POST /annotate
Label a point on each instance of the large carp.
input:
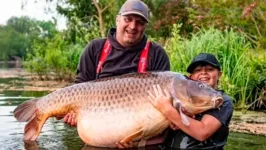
(117, 108)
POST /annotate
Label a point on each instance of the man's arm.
(86, 70)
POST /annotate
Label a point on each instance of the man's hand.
(71, 119)
(123, 145)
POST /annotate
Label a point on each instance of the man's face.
(130, 29)
(207, 74)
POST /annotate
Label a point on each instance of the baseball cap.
(203, 58)
(135, 7)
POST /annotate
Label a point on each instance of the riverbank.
(19, 80)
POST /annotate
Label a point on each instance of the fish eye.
(201, 85)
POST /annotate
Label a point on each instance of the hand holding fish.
(159, 139)
(161, 100)
(164, 102)
(123, 145)
(71, 119)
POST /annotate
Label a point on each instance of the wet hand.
(71, 119)
(162, 100)
(123, 145)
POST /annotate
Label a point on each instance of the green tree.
(246, 16)
(88, 15)
(12, 43)
(18, 36)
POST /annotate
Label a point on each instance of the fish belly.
(105, 128)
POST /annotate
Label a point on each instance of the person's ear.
(117, 19)
(220, 74)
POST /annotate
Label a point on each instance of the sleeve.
(86, 70)
(159, 59)
(225, 112)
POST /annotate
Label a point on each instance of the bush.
(54, 59)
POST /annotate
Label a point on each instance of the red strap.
(105, 51)
(144, 58)
(142, 61)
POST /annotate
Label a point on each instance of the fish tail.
(28, 112)
(34, 126)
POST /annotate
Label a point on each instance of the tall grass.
(234, 53)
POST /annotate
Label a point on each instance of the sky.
(33, 9)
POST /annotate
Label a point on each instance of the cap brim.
(134, 13)
(193, 65)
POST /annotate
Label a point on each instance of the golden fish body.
(116, 108)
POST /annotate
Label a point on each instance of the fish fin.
(34, 126)
(178, 105)
(142, 143)
(183, 117)
(133, 136)
(25, 111)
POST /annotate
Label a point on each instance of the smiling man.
(125, 50)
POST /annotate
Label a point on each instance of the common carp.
(117, 108)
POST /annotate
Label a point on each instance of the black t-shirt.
(180, 140)
(120, 60)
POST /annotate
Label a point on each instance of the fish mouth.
(217, 101)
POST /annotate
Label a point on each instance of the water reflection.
(31, 145)
(55, 134)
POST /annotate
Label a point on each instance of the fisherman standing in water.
(125, 50)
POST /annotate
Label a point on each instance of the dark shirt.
(120, 60)
(180, 140)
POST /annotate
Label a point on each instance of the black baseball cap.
(203, 58)
(135, 7)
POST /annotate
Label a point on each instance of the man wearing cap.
(125, 50)
(126, 44)
(208, 130)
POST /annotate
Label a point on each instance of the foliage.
(83, 16)
(19, 34)
(241, 74)
(171, 12)
(54, 57)
(12, 43)
(246, 16)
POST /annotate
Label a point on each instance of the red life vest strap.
(105, 51)
(144, 58)
(142, 66)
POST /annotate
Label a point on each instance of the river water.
(57, 135)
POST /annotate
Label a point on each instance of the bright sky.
(37, 9)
